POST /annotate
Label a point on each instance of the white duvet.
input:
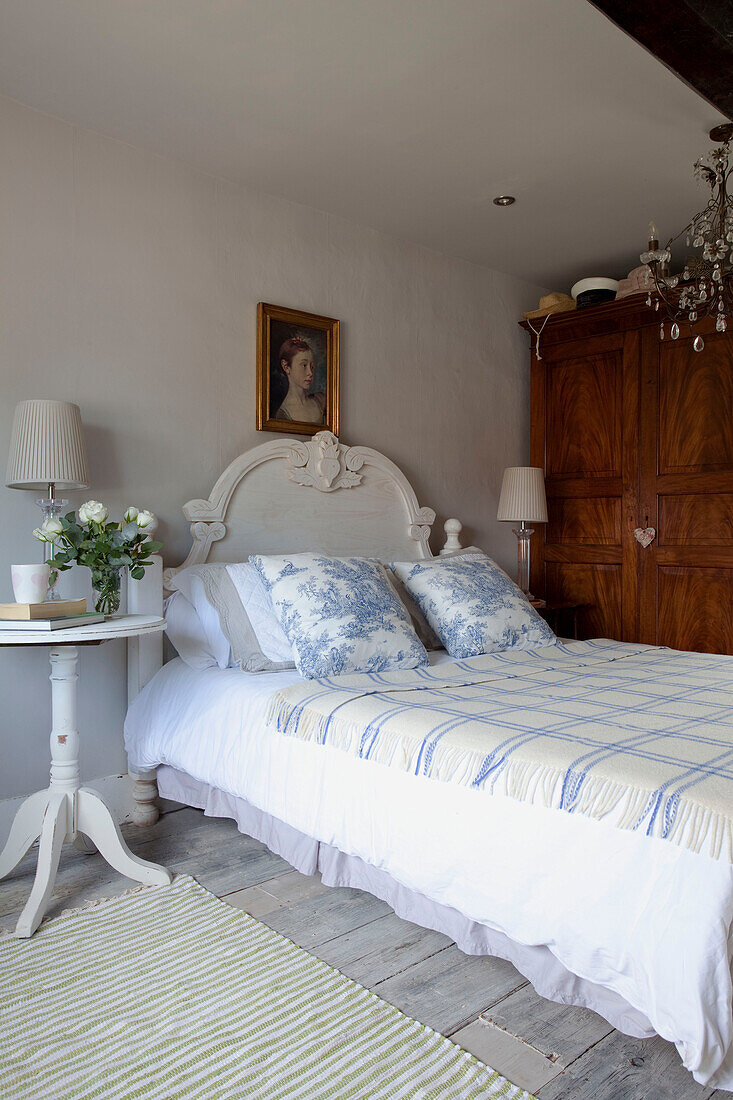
(645, 922)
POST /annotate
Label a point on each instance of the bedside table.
(66, 809)
(556, 612)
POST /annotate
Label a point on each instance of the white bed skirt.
(307, 855)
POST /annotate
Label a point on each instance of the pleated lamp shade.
(523, 495)
(47, 447)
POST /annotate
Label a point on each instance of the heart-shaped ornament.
(645, 536)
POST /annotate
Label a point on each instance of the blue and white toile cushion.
(339, 614)
(473, 606)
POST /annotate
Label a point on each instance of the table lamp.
(523, 501)
(47, 453)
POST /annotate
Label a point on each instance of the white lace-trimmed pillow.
(234, 638)
(339, 614)
(261, 614)
(473, 606)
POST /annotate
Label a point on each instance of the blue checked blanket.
(637, 734)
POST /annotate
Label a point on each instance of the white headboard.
(283, 497)
(292, 495)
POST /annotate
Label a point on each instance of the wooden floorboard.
(622, 1068)
(561, 1032)
(484, 1004)
(519, 1062)
(311, 922)
(381, 949)
(275, 893)
(449, 989)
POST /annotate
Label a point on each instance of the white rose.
(39, 534)
(51, 528)
(130, 514)
(146, 519)
(92, 512)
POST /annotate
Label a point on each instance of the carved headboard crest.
(325, 464)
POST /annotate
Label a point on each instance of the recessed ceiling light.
(504, 200)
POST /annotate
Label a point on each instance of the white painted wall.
(129, 284)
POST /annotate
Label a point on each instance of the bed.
(633, 923)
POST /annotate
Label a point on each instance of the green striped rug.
(167, 992)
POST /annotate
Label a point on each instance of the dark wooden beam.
(693, 38)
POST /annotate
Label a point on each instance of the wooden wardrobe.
(635, 432)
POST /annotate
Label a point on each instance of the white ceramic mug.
(30, 582)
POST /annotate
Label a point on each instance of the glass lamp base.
(51, 508)
(523, 536)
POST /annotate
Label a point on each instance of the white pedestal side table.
(66, 809)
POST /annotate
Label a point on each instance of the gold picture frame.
(297, 371)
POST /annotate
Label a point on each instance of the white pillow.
(473, 606)
(258, 605)
(340, 614)
(186, 633)
(230, 633)
(190, 585)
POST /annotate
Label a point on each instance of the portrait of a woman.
(297, 371)
(297, 363)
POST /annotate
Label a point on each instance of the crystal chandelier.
(705, 287)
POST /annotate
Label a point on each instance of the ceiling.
(405, 115)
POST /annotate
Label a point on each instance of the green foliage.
(102, 546)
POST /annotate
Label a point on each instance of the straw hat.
(551, 303)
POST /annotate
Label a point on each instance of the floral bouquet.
(107, 548)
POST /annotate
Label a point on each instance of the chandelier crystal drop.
(705, 287)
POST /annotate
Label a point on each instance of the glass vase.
(106, 587)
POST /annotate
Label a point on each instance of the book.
(86, 619)
(52, 609)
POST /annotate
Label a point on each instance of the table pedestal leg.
(94, 819)
(66, 809)
(24, 831)
(83, 844)
(53, 834)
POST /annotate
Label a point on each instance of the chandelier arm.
(667, 301)
(687, 229)
(704, 291)
(721, 207)
(676, 314)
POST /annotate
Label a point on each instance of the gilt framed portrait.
(297, 371)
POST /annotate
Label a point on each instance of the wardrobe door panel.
(686, 476)
(696, 519)
(695, 407)
(584, 434)
(584, 410)
(591, 520)
(695, 608)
